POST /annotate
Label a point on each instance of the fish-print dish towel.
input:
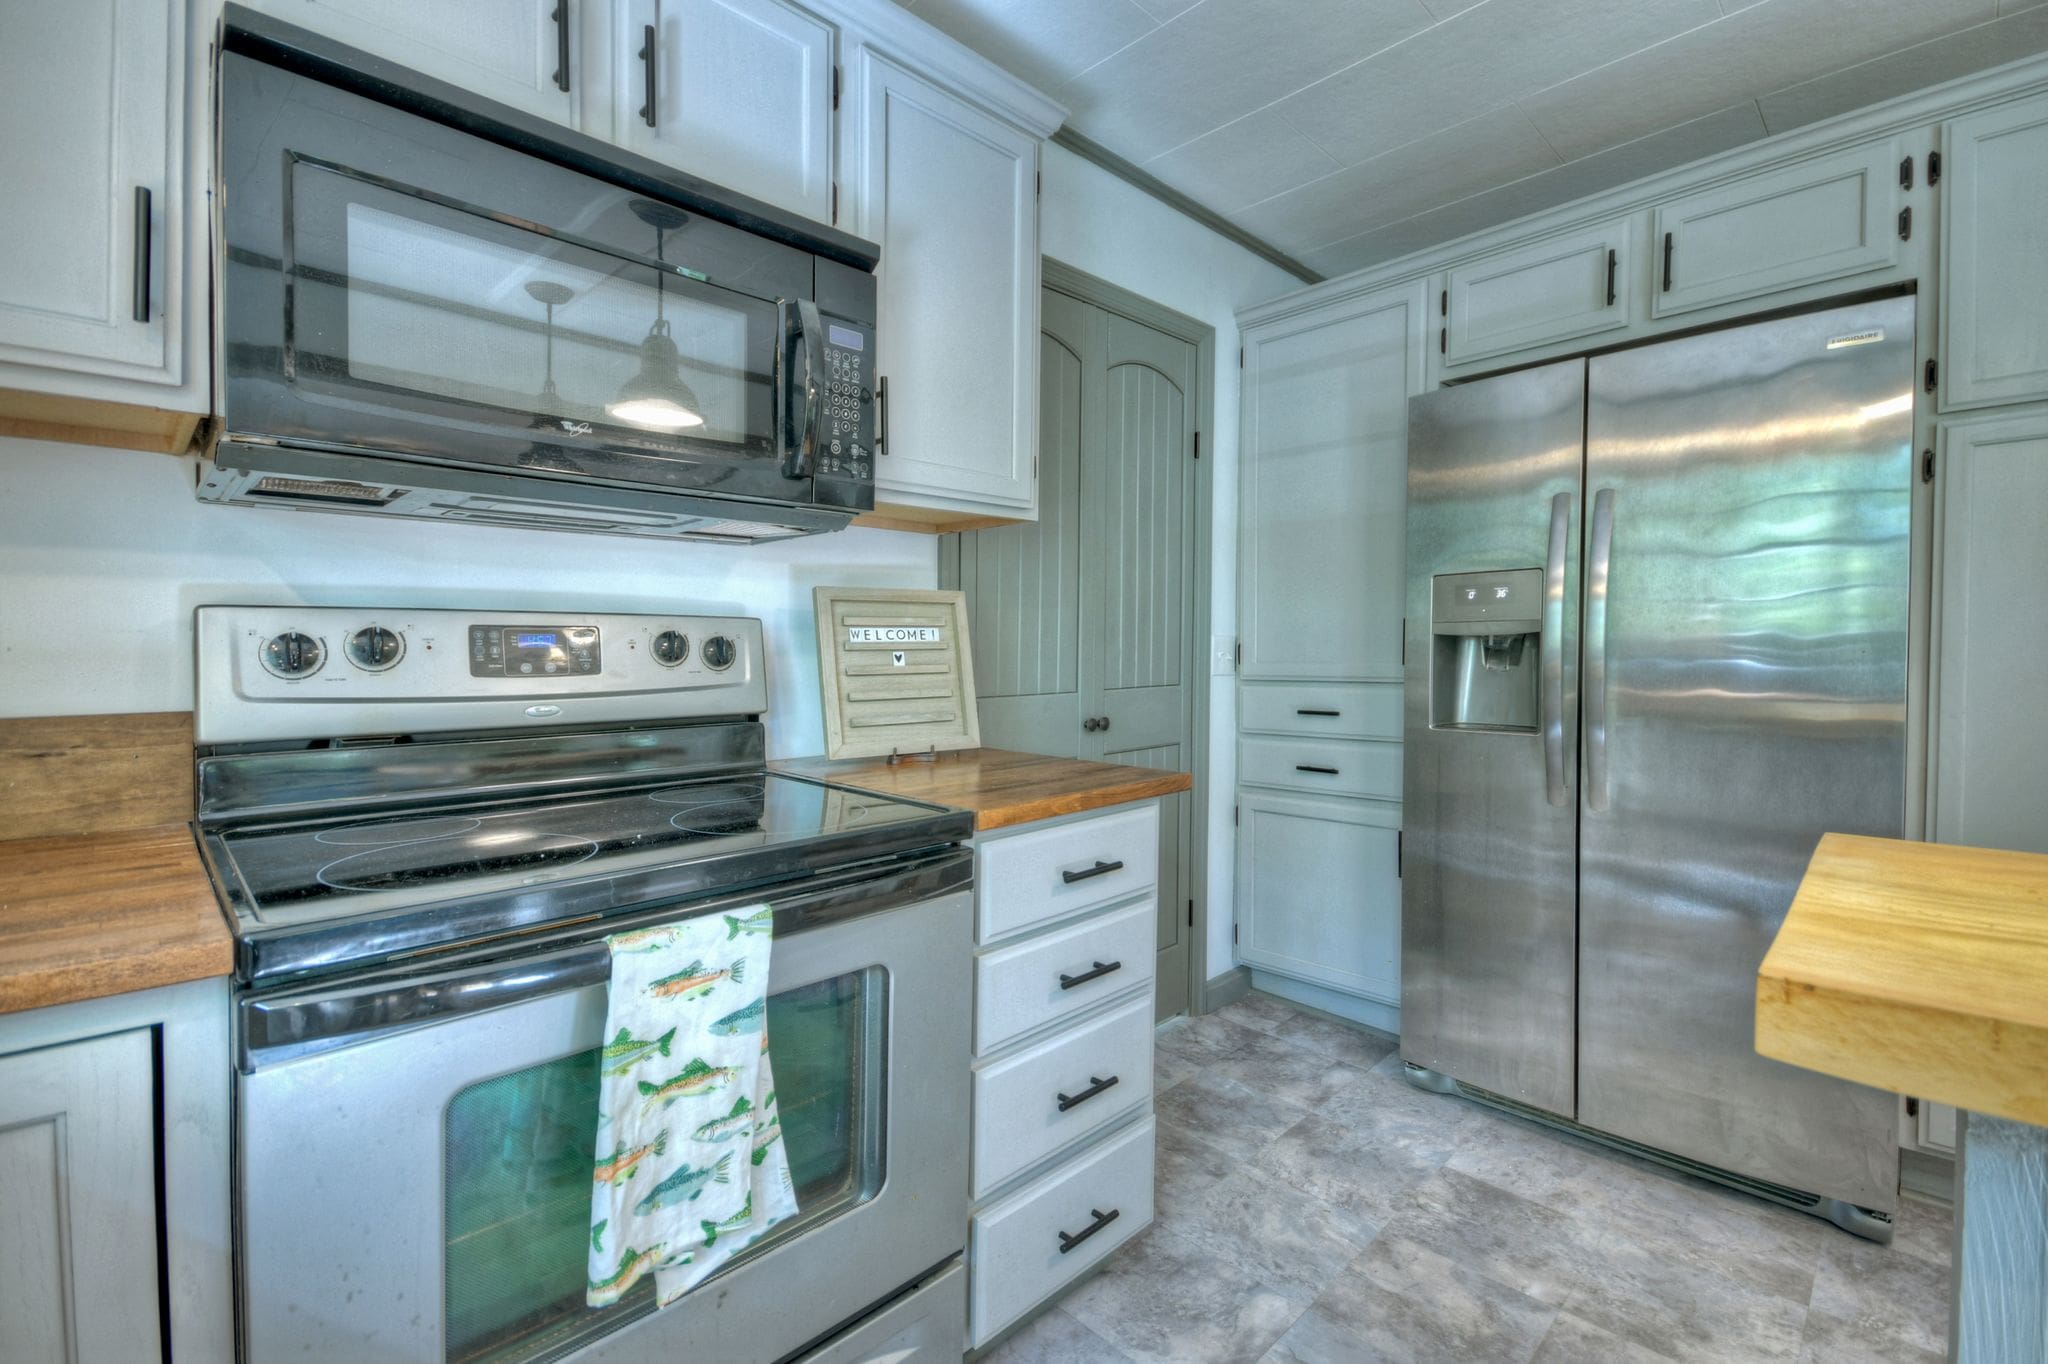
(690, 1166)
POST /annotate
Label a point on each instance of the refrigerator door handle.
(1597, 560)
(1552, 661)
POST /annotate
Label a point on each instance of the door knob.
(1089, 724)
(1102, 722)
(1095, 722)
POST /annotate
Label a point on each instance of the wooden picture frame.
(895, 672)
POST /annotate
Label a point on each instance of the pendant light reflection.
(656, 396)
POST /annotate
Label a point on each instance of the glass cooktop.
(754, 828)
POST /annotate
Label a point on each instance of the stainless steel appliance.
(1627, 727)
(423, 824)
(435, 306)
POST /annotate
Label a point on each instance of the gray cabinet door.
(78, 1234)
(1318, 897)
(1571, 285)
(1990, 759)
(1994, 273)
(1323, 487)
(1822, 219)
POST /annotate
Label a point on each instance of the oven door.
(413, 1173)
(399, 287)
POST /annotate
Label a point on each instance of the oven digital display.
(547, 641)
(534, 651)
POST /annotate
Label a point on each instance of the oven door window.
(422, 324)
(517, 1175)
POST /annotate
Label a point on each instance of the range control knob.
(375, 648)
(671, 647)
(719, 653)
(292, 654)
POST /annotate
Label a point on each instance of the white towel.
(690, 1167)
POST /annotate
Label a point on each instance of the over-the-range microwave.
(435, 306)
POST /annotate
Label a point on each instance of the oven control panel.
(312, 672)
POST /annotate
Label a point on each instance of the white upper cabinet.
(93, 220)
(1823, 219)
(1324, 486)
(1562, 287)
(1994, 232)
(950, 193)
(741, 95)
(523, 53)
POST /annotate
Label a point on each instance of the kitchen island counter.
(1002, 788)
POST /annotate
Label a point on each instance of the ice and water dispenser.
(1484, 630)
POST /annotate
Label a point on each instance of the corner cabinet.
(951, 194)
(1994, 286)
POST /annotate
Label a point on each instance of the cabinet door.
(742, 95)
(950, 193)
(91, 92)
(78, 1235)
(1324, 488)
(1573, 285)
(507, 50)
(1991, 636)
(1318, 894)
(1823, 219)
(1994, 256)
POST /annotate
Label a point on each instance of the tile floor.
(1316, 1208)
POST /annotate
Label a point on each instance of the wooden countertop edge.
(1081, 802)
(995, 809)
(103, 977)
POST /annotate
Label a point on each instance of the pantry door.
(1082, 621)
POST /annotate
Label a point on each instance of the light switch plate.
(1222, 655)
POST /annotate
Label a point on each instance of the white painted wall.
(1093, 221)
(105, 553)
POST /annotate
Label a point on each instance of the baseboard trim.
(1927, 1174)
(1227, 988)
(1385, 1018)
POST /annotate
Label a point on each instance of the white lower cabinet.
(1319, 891)
(1062, 1126)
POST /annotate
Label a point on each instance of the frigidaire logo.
(576, 428)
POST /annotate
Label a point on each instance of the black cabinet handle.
(1095, 1087)
(1333, 714)
(1102, 1219)
(882, 414)
(1312, 767)
(561, 17)
(1667, 262)
(1611, 258)
(647, 60)
(1102, 968)
(1100, 868)
(141, 275)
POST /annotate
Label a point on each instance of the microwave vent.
(741, 532)
(324, 490)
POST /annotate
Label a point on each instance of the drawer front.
(1333, 768)
(1046, 874)
(1820, 220)
(1017, 1115)
(1014, 1247)
(1568, 286)
(923, 1328)
(1059, 974)
(1362, 710)
(1319, 891)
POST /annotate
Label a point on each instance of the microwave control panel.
(847, 443)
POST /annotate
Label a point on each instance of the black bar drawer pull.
(1312, 767)
(1068, 1240)
(1102, 968)
(1095, 1087)
(1667, 262)
(561, 18)
(1611, 261)
(1305, 710)
(1100, 868)
(647, 60)
(141, 278)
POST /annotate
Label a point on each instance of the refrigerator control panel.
(1508, 601)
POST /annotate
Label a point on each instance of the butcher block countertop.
(1916, 967)
(1001, 788)
(83, 916)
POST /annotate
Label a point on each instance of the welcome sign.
(895, 672)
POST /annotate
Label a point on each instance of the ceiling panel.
(1240, 163)
(1045, 42)
(2020, 34)
(1488, 55)
(1162, 10)
(1474, 156)
(1221, 60)
(1751, 53)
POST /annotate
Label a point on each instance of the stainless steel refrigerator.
(1656, 646)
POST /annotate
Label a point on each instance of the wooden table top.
(1916, 967)
(1001, 788)
(88, 915)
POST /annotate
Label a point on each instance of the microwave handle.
(808, 331)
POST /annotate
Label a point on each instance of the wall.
(1093, 221)
(105, 553)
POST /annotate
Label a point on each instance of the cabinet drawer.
(1326, 767)
(1017, 1114)
(1019, 988)
(1567, 286)
(1015, 1245)
(1046, 874)
(1833, 216)
(1365, 710)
